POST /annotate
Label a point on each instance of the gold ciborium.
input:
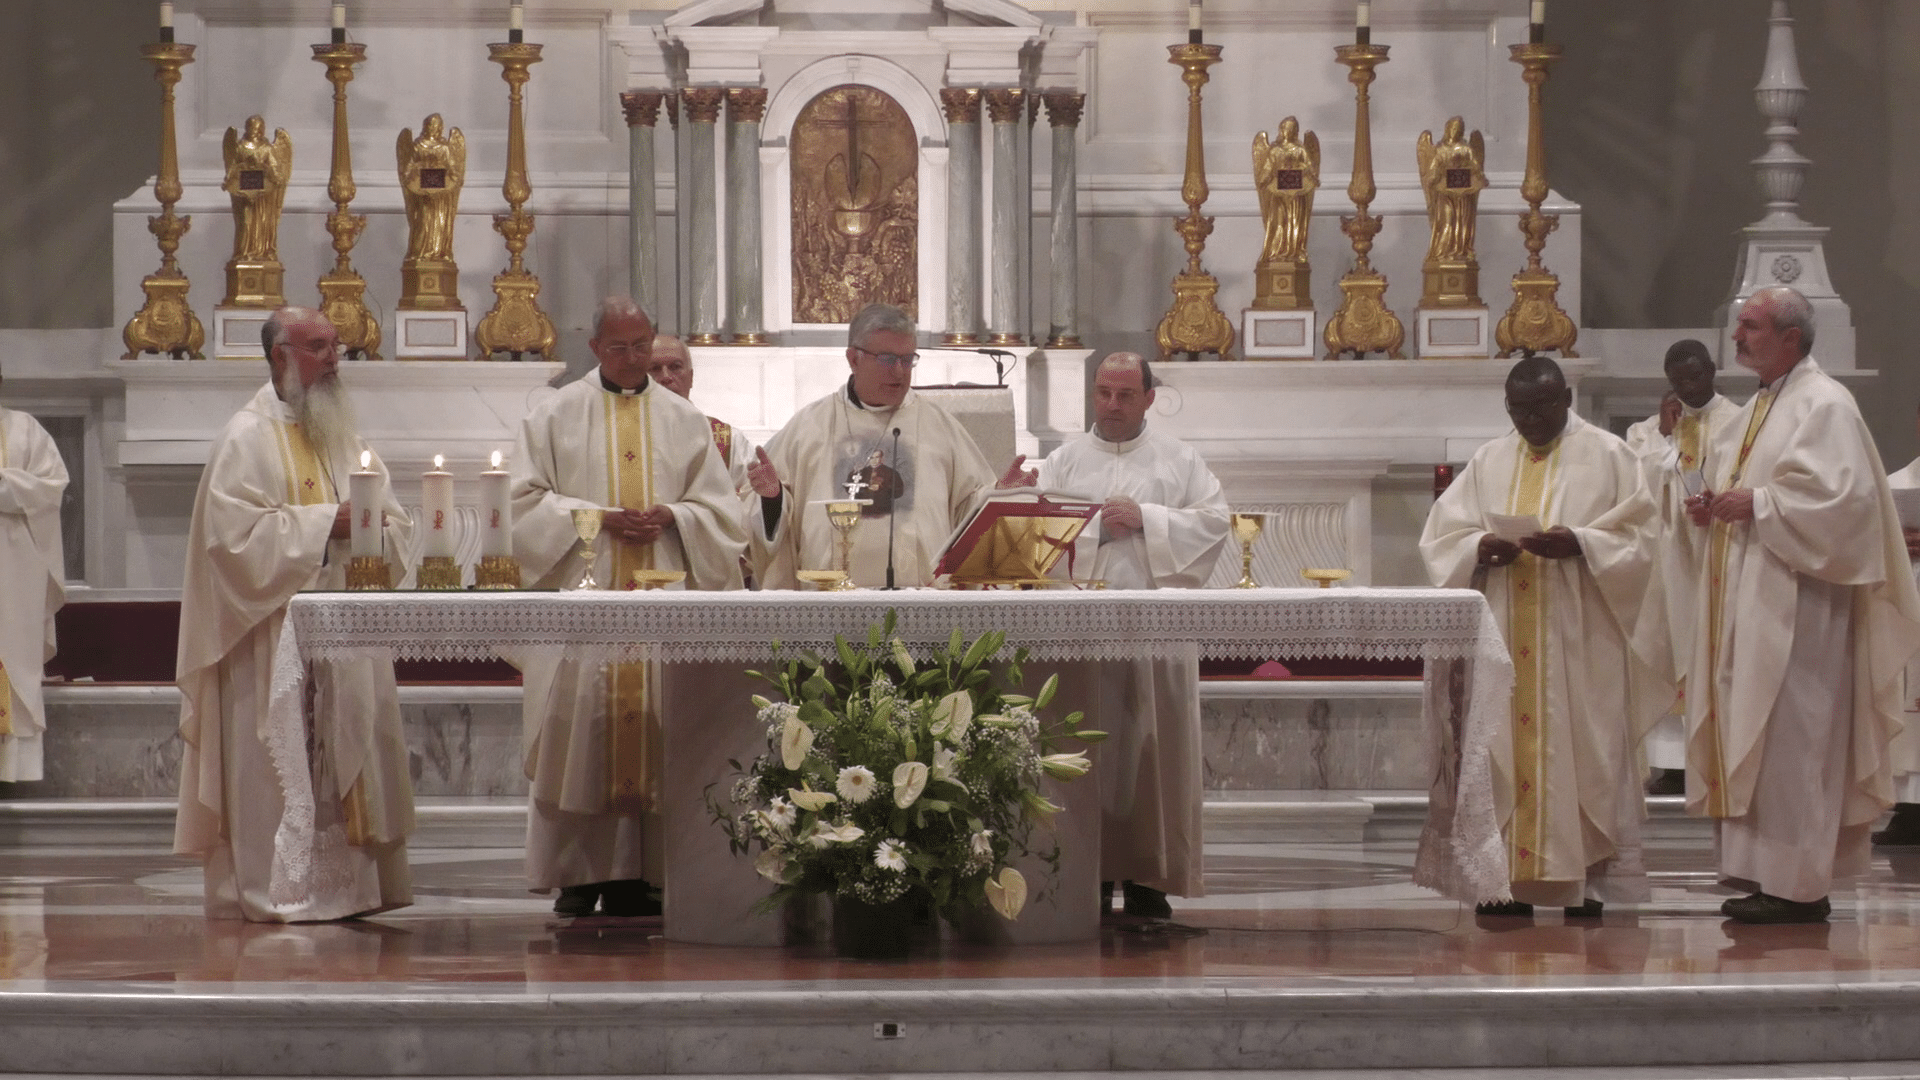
(844, 516)
(586, 524)
(1246, 529)
(1326, 578)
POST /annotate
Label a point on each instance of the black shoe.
(1903, 830)
(1144, 902)
(576, 900)
(629, 899)
(1588, 909)
(1761, 908)
(1668, 782)
(1505, 909)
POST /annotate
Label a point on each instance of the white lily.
(1008, 893)
(981, 844)
(796, 740)
(835, 834)
(809, 799)
(909, 780)
(772, 865)
(1066, 766)
(943, 757)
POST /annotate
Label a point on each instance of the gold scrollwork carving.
(856, 206)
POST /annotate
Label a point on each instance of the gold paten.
(342, 290)
(256, 182)
(1286, 173)
(432, 169)
(516, 324)
(165, 324)
(856, 206)
(1535, 322)
(1195, 323)
(1453, 174)
(1364, 323)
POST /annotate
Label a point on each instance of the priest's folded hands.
(638, 526)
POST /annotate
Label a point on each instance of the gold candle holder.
(496, 572)
(165, 324)
(1535, 322)
(368, 573)
(1364, 323)
(1195, 323)
(516, 324)
(342, 290)
(437, 573)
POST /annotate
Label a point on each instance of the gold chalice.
(1326, 578)
(1246, 529)
(586, 524)
(844, 516)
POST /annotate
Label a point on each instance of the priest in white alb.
(272, 518)
(1162, 526)
(1566, 575)
(1672, 445)
(1808, 617)
(616, 444)
(672, 368)
(32, 577)
(876, 440)
(1904, 828)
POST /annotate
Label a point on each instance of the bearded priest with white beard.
(271, 519)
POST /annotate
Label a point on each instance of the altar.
(705, 640)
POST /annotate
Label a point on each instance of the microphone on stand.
(1001, 358)
(890, 508)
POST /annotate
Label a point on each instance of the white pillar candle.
(339, 15)
(1363, 15)
(496, 511)
(436, 508)
(363, 493)
(166, 15)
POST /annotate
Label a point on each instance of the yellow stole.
(632, 713)
(1531, 493)
(6, 684)
(1688, 433)
(1713, 747)
(722, 438)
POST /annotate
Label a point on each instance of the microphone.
(1001, 358)
(890, 508)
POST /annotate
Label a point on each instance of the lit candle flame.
(438, 460)
(496, 459)
(366, 459)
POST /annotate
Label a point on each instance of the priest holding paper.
(1809, 617)
(935, 474)
(1163, 526)
(272, 518)
(1551, 523)
(32, 581)
(616, 444)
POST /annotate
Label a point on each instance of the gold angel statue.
(1286, 173)
(432, 168)
(256, 180)
(1453, 173)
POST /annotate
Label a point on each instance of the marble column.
(675, 320)
(746, 107)
(1006, 107)
(1023, 183)
(962, 105)
(702, 210)
(1063, 113)
(643, 112)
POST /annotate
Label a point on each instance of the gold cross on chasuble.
(1531, 493)
(632, 694)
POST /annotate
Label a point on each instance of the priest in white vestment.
(1567, 597)
(672, 368)
(272, 518)
(1672, 445)
(1904, 829)
(1163, 526)
(1808, 618)
(916, 467)
(32, 586)
(616, 441)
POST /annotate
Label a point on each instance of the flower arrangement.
(884, 776)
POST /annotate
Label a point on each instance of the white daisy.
(890, 855)
(855, 784)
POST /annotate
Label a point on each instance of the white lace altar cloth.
(1468, 673)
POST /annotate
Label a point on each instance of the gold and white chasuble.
(592, 731)
(261, 528)
(32, 586)
(1566, 786)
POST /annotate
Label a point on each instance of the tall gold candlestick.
(1364, 323)
(1535, 322)
(1195, 323)
(516, 324)
(165, 324)
(342, 290)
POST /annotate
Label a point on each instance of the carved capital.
(703, 103)
(673, 110)
(961, 104)
(747, 104)
(1064, 107)
(642, 107)
(1004, 104)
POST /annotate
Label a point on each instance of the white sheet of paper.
(1513, 526)
(1907, 502)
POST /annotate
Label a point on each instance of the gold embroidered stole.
(1531, 493)
(722, 439)
(6, 684)
(1688, 439)
(1713, 744)
(631, 713)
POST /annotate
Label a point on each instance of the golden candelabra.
(516, 324)
(1364, 323)
(1535, 322)
(496, 572)
(165, 324)
(1195, 323)
(342, 290)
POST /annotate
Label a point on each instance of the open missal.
(1016, 537)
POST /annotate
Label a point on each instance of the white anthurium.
(1066, 766)
(796, 740)
(909, 780)
(808, 799)
(890, 855)
(855, 784)
(952, 716)
(981, 844)
(845, 833)
(1007, 893)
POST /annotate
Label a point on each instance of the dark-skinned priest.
(617, 443)
(1551, 522)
